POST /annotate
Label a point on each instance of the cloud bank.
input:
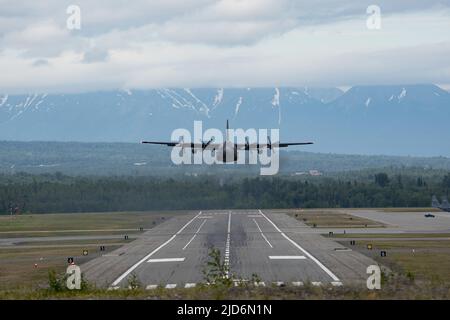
(210, 43)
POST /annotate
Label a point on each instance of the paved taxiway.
(272, 245)
(407, 221)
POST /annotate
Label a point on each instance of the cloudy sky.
(220, 43)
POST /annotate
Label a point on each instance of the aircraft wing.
(169, 144)
(284, 145)
(252, 146)
(186, 144)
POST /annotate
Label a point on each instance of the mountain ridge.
(386, 119)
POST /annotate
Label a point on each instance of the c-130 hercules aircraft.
(228, 150)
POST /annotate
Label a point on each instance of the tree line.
(26, 193)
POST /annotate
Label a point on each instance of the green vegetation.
(402, 289)
(27, 264)
(392, 235)
(61, 193)
(425, 261)
(27, 268)
(81, 223)
(217, 272)
(76, 158)
(333, 219)
(133, 282)
(395, 285)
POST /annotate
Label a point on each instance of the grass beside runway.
(425, 261)
(390, 235)
(62, 243)
(322, 218)
(17, 262)
(396, 288)
(18, 270)
(42, 224)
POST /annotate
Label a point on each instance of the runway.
(267, 244)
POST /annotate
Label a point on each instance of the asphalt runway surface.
(274, 246)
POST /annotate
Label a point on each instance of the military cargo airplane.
(228, 150)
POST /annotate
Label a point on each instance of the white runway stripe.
(126, 273)
(151, 286)
(167, 260)
(328, 271)
(336, 283)
(236, 283)
(195, 234)
(287, 257)
(114, 288)
(262, 234)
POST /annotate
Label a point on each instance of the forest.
(57, 192)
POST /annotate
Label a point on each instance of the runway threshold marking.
(195, 234)
(327, 271)
(287, 257)
(137, 264)
(262, 234)
(167, 260)
(151, 286)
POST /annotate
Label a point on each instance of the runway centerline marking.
(227, 247)
(167, 260)
(137, 264)
(262, 234)
(287, 257)
(327, 271)
(195, 234)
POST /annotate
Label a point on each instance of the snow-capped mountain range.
(401, 120)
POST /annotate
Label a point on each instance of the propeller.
(205, 145)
